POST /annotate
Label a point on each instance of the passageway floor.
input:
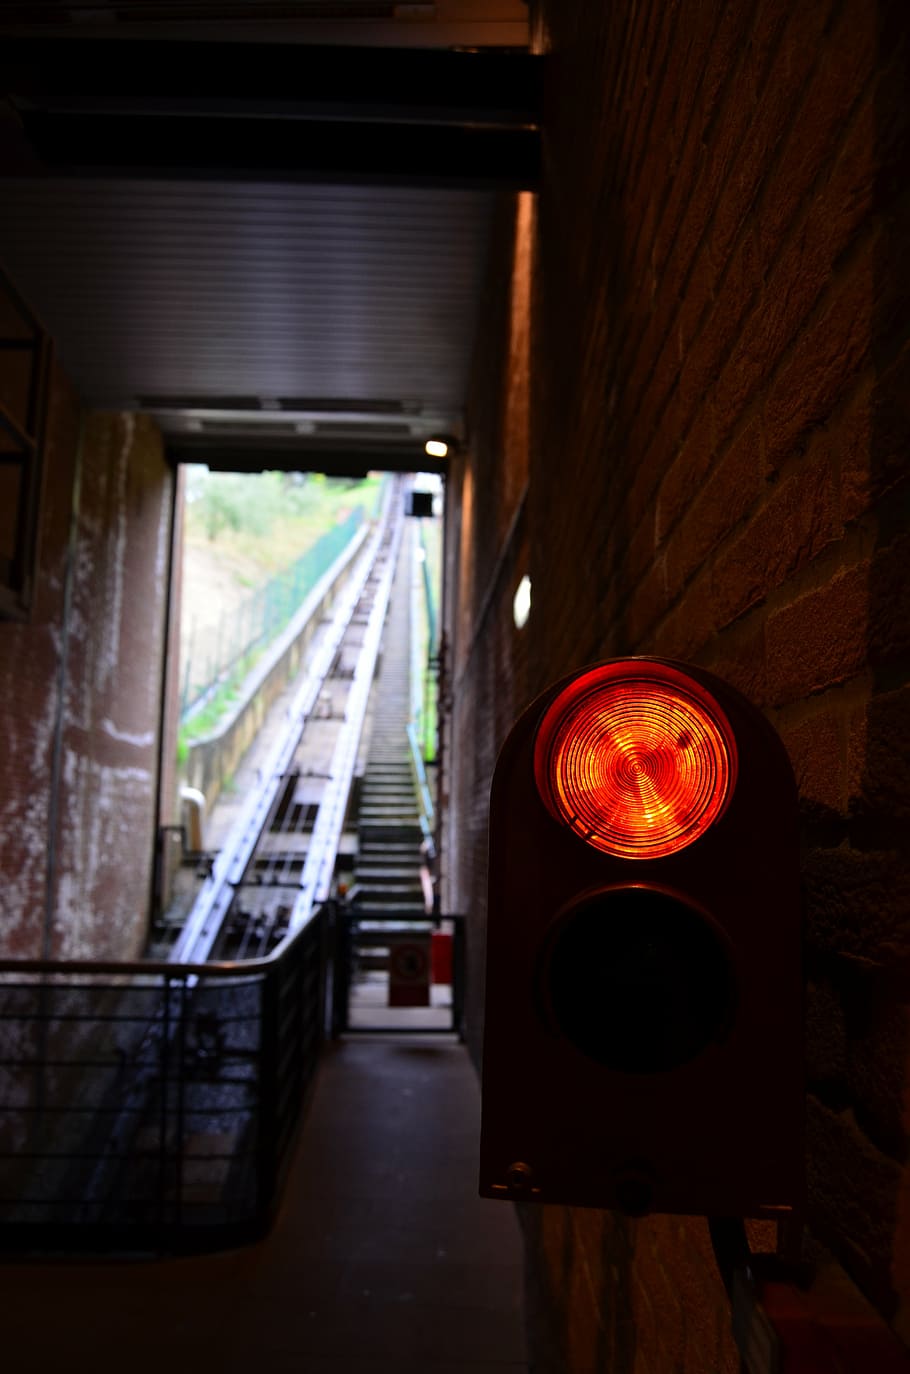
(383, 1259)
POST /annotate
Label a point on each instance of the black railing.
(152, 1107)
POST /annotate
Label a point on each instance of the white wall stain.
(107, 814)
(162, 571)
(163, 542)
(27, 750)
(68, 917)
(110, 645)
(102, 775)
(78, 700)
(110, 808)
(43, 723)
(23, 888)
(140, 740)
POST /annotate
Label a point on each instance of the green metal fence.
(223, 653)
(430, 684)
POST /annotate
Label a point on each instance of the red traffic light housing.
(643, 1034)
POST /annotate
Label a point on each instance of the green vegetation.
(204, 721)
(430, 533)
(269, 517)
(254, 543)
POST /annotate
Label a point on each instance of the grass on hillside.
(431, 541)
(268, 519)
(241, 530)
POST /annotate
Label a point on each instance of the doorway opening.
(263, 568)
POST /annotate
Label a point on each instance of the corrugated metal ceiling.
(196, 290)
(315, 312)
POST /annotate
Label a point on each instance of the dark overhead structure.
(289, 113)
(276, 249)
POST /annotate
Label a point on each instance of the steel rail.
(209, 911)
(320, 860)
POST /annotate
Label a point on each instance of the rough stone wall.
(170, 783)
(113, 690)
(717, 472)
(29, 694)
(80, 691)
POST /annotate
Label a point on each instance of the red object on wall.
(409, 971)
(644, 976)
(441, 957)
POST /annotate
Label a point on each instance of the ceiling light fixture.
(440, 446)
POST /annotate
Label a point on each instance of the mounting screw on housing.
(520, 1175)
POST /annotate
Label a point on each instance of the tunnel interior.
(643, 268)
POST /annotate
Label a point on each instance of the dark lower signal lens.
(638, 980)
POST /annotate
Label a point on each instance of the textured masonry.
(711, 349)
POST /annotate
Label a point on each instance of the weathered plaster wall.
(30, 659)
(80, 691)
(716, 472)
(112, 694)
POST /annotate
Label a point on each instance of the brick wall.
(80, 687)
(487, 554)
(717, 380)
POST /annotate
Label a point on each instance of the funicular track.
(276, 865)
(389, 923)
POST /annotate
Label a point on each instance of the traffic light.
(644, 1029)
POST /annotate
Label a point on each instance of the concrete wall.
(716, 470)
(80, 691)
(212, 761)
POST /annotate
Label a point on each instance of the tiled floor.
(383, 1259)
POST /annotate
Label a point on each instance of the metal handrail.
(426, 812)
(225, 968)
(417, 670)
(432, 643)
(153, 1106)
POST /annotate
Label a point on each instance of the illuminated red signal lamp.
(639, 763)
(643, 1033)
